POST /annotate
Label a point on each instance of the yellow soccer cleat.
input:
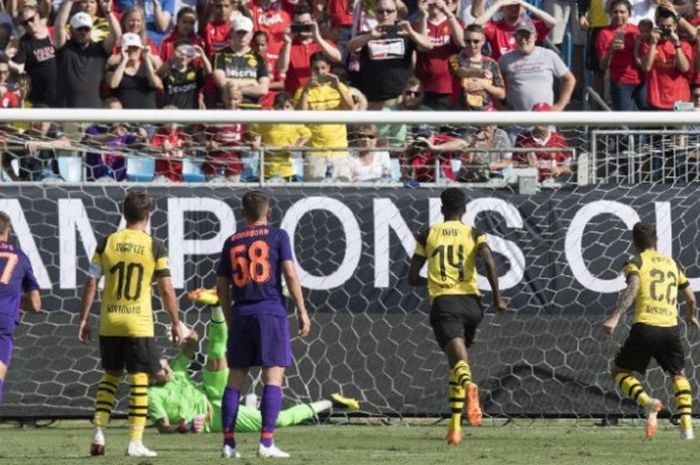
(340, 401)
(204, 296)
(472, 405)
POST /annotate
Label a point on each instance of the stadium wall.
(558, 252)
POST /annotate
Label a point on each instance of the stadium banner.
(559, 255)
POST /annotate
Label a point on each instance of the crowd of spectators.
(410, 55)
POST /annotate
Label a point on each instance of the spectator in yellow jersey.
(278, 163)
(451, 249)
(324, 91)
(653, 282)
(130, 260)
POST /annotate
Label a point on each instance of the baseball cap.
(242, 23)
(131, 39)
(81, 19)
(526, 26)
(542, 106)
(423, 130)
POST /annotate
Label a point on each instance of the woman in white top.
(368, 164)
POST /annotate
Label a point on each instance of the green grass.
(521, 442)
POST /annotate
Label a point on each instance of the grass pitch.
(521, 442)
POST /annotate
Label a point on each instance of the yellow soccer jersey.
(660, 279)
(129, 261)
(280, 135)
(451, 249)
(325, 97)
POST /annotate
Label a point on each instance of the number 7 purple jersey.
(252, 259)
(16, 277)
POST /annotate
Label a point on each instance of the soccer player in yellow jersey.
(130, 260)
(653, 281)
(451, 249)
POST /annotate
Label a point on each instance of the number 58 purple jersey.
(252, 259)
(16, 277)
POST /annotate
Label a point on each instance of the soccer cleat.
(652, 410)
(137, 449)
(204, 296)
(98, 443)
(271, 452)
(340, 401)
(472, 405)
(454, 437)
(687, 434)
(229, 452)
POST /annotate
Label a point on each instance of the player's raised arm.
(623, 303)
(691, 317)
(294, 286)
(492, 276)
(85, 328)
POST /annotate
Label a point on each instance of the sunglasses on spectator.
(83, 29)
(25, 22)
(472, 41)
(412, 93)
(364, 136)
(385, 12)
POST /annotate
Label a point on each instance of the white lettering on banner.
(178, 246)
(72, 216)
(574, 240)
(21, 230)
(664, 229)
(351, 230)
(508, 249)
(387, 217)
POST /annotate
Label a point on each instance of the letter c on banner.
(574, 241)
(353, 240)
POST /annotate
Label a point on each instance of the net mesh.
(558, 252)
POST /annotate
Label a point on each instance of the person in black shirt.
(183, 79)
(81, 61)
(36, 56)
(134, 81)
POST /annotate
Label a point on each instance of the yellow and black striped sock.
(630, 387)
(105, 399)
(138, 405)
(460, 377)
(684, 402)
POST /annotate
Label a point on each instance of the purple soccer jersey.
(16, 277)
(252, 260)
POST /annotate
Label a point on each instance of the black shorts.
(645, 342)
(592, 60)
(454, 316)
(136, 354)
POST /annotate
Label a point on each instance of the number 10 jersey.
(129, 261)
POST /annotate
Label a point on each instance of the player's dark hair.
(644, 235)
(255, 203)
(477, 28)
(137, 206)
(453, 201)
(302, 8)
(185, 10)
(625, 3)
(5, 222)
(318, 56)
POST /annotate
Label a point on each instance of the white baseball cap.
(242, 23)
(131, 39)
(81, 19)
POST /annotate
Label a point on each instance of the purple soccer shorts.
(259, 340)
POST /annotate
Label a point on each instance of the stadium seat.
(395, 169)
(251, 169)
(192, 170)
(140, 169)
(14, 166)
(298, 167)
(70, 168)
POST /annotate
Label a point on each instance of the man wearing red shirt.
(270, 16)
(501, 34)
(425, 150)
(294, 61)
(437, 21)
(666, 60)
(216, 32)
(549, 164)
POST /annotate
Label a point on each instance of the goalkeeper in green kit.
(177, 404)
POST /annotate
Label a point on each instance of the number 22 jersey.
(251, 259)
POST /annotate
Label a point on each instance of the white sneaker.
(98, 443)
(653, 408)
(137, 449)
(271, 452)
(229, 452)
(687, 434)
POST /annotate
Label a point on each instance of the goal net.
(559, 252)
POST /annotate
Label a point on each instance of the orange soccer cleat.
(472, 405)
(454, 437)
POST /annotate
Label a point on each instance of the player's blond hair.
(5, 222)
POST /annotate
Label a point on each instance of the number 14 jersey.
(129, 261)
(252, 259)
(451, 249)
(660, 278)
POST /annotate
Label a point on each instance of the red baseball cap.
(542, 106)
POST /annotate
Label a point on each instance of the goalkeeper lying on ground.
(177, 404)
